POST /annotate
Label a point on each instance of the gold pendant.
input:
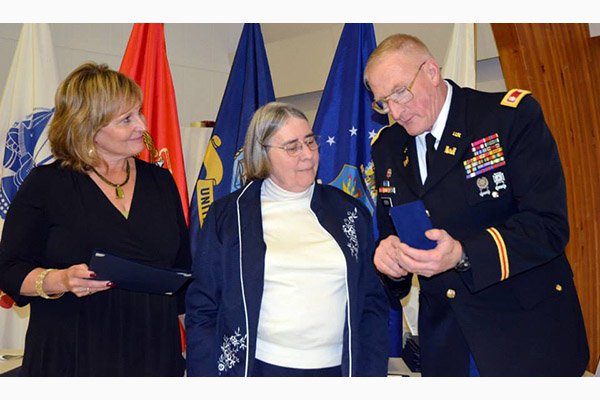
(119, 192)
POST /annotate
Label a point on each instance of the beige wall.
(200, 57)
(300, 56)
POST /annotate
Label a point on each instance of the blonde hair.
(404, 44)
(266, 121)
(87, 100)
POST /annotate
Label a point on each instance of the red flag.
(145, 61)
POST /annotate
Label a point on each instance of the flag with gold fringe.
(146, 62)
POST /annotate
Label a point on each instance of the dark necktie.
(430, 143)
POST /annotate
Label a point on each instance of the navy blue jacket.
(516, 309)
(224, 299)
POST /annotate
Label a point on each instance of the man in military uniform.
(497, 295)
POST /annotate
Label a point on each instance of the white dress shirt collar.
(437, 130)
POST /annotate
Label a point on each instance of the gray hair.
(408, 45)
(267, 120)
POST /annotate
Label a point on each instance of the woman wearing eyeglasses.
(283, 277)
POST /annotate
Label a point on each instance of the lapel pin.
(457, 134)
(450, 150)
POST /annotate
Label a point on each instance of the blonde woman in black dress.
(96, 195)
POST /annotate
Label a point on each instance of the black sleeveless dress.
(57, 219)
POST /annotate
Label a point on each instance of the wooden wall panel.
(560, 64)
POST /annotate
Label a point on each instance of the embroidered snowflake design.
(229, 349)
(349, 229)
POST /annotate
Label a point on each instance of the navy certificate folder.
(135, 276)
(411, 222)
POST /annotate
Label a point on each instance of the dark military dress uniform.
(496, 184)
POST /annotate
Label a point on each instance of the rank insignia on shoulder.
(513, 97)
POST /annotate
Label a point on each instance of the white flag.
(459, 64)
(26, 107)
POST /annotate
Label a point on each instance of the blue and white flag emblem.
(25, 112)
(21, 150)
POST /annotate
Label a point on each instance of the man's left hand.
(428, 263)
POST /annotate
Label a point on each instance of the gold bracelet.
(39, 282)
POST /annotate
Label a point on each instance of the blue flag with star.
(345, 120)
(347, 125)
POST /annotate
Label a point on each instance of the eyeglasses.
(400, 96)
(294, 148)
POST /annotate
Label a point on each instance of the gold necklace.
(118, 186)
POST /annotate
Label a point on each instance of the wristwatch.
(463, 264)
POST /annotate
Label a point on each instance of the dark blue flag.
(347, 125)
(345, 119)
(249, 87)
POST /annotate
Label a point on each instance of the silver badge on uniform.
(387, 201)
(499, 180)
(484, 186)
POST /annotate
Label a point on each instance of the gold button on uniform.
(558, 288)
(450, 293)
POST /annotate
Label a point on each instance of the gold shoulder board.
(513, 97)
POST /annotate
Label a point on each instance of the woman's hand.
(79, 280)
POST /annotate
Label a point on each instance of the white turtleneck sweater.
(303, 309)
